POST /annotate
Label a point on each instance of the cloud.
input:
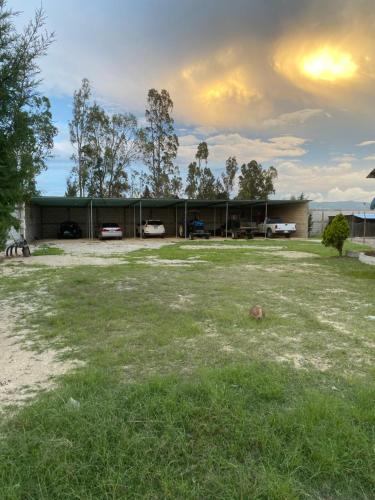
(370, 158)
(221, 146)
(295, 117)
(324, 183)
(365, 143)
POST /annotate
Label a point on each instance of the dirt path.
(23, 371)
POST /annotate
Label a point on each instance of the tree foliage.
(336, 232)
(78, 138)
(106, 145)
(26, 129)
(231, 169)
(202, 153)
(159, 145)
(256, 183)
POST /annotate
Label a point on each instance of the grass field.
(182, 395)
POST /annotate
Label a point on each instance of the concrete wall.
(298, 213)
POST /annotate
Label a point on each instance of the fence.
(362, 229)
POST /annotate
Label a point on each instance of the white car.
(109, 230)
(152, 227)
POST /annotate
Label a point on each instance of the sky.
(289, 83)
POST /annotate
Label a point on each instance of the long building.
(44, 214)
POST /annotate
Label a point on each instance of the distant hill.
(339, 205)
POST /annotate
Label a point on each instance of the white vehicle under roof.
(273, 226)
(152, 227)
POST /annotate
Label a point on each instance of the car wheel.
(269, 233)
(287, 235)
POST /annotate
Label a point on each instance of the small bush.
(336, 233)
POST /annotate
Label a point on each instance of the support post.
(265, 221)
(92, 222)
(140, 219)
(364, 224)
(134, 221)
(185, 225)
(214, 222)
(226, 220)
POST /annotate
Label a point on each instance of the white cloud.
(324, 183)
(295, 117)
(352, 194)
(63, 148)
(221, 146)
(365, 143)
(370, 158)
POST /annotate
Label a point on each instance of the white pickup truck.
(275, 226)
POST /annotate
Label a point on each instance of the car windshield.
(154, 222)
(109, 224)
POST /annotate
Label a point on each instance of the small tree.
(336, 233)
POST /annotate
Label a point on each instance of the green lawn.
(182, 395)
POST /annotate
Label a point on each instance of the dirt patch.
(68, 261)
(154, 261)
(296, 255)
(102, 248)
(216, 246)
(24, 372)
(182, 302)
(301, 362)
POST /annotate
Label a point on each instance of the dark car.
(70, 229)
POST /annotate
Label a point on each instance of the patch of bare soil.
(98, 248)
(182, 302)
(301, 362)
(154, 261)
(296, 255)
(68, 261)
(218, 246)
(24, 371)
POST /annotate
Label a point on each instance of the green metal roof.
(64, 201)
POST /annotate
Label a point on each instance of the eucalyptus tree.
(111, 147)
(159, 145)
(78, 138)
(255, 182)
(202, 153)
(26, 129)
(231, 169)
(192, 180)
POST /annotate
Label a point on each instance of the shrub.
(336, 233)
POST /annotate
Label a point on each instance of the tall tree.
(256, 183)
(106, 145)
(207, 185)
(26, 129)
(231, 169)
(78, 137)
(159, 144)
(192, 180)
(202, 153)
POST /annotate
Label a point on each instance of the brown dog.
(257, 312)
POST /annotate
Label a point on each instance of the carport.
(44, 214)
